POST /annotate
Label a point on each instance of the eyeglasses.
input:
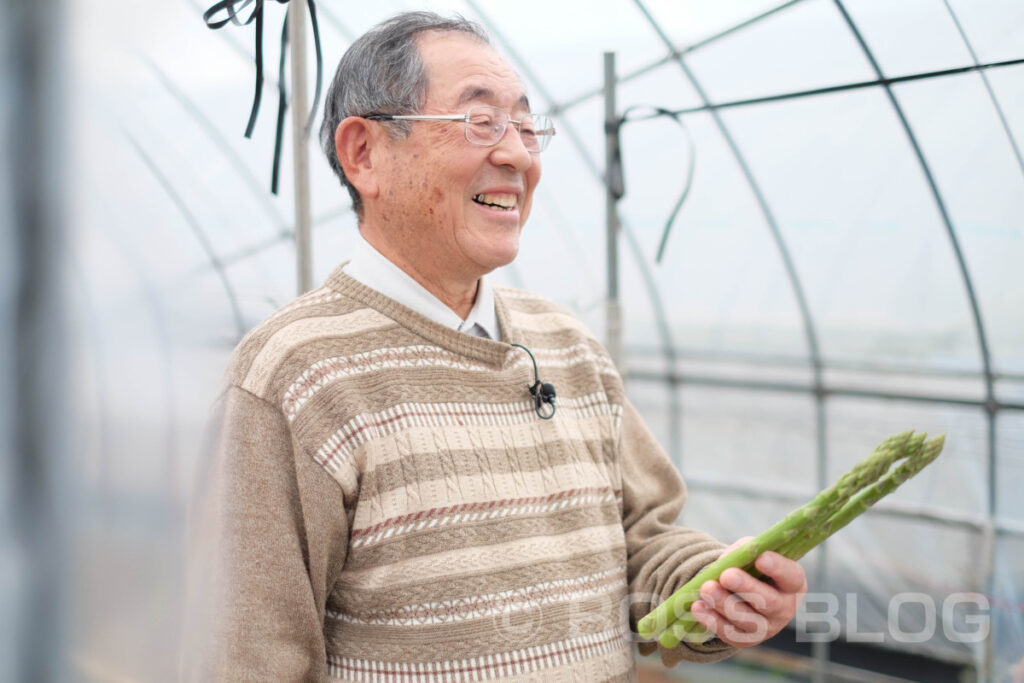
(485, 126)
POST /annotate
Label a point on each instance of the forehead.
(462, 70)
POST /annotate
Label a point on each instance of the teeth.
(505, 201)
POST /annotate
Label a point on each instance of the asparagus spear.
(812, 514)
(923, 453)
(930, 450)
(800, 531)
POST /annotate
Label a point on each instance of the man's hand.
(744, 611)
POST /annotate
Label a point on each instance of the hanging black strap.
(652, 113)
(232, 10)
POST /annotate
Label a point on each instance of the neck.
(456, 292)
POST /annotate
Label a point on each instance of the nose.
(510, 151)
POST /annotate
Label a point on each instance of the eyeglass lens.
(486, 126)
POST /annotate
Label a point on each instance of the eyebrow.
(481, 93)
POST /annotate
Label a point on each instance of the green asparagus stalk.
(686, 628)
(923, 453)
(812, 514)
(930, 450)
(891, 463)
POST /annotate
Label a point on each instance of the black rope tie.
(543, 393)
(655, 112)
(233, 9)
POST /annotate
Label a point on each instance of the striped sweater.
(382, 503)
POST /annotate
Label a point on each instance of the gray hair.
(382, 73)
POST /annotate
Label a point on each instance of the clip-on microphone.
(543, 393)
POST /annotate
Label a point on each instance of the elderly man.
(393, 494)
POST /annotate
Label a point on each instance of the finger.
(787, 575)
(726, 630)
(764, 597)
(734, 607)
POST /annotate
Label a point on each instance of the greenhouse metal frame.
(651, 361)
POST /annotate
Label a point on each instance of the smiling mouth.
(506, 202)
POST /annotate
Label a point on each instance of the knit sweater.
(381, 502)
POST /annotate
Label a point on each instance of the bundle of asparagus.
(891, 463)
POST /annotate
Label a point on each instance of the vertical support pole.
(297, 14)
(613, 190)
(990, 542)
(820, 648)
(35, 548)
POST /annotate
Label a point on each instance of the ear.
(355, 140)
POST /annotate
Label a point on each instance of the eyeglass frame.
(544, 134)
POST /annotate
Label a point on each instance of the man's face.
(459, 207)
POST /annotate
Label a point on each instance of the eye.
(483, 121)
(528, 129)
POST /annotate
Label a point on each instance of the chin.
(498, 259)
(491, 250)
(510, 251)
(500, 263)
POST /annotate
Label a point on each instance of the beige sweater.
(380, 502)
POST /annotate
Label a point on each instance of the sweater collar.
(374, 270)
(480, 348)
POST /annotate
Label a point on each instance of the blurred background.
(846, 264)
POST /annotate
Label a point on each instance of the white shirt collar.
(374, 270)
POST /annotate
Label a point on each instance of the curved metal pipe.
(662, 321)
(988, 86)
(570, 131)
(940, 204)
(798, 291)
(347, 33)
(661, 61)
(155, 307)
(991, 406)
(218, 140)
(197, 230)
(665, 332)
(820, 649)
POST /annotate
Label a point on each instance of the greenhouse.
(797, 228)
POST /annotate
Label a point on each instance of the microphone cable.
(543, 393)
